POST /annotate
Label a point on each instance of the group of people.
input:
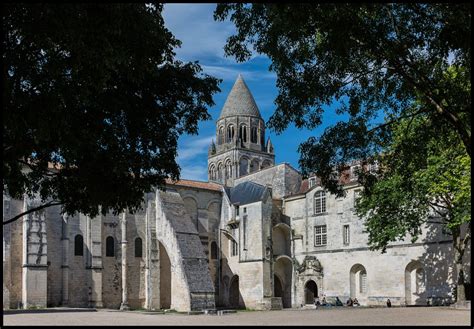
(351, 302)
(323, 302)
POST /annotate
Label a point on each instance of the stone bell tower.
(240, 147)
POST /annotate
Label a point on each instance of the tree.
(94, 103)
(373, 60)
(425, 179)
(388, 68)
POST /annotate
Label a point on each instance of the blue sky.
(203, 40)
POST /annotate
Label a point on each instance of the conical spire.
(240, 101)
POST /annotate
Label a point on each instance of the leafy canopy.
(425, 176)
(94, 90)
(375, 60)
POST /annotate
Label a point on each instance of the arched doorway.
(234, 292)
(165, 278)
(283, 269)
(310, 292)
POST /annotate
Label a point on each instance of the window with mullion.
(319, 202)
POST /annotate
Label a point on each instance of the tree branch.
(29, 211)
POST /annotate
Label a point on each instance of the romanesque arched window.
(213, 250)
(243, 166)
(254, 165)
(109, 247)
(230, 133)
(219, 172)
(243, 133)
(212, 172)
(78, 245)
(138, 247)
(220, 136)
(319, 202)
(253, 135)
(228, 169)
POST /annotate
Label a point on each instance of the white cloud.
(193, 148)
(231, 73)
(194, 25)
(198, 173)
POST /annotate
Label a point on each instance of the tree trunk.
(459, 248)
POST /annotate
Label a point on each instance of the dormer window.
(312, 182)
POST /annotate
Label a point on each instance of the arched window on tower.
(109, 247)
(138, 247)
(230, 133)
(220, 136)
(243, 133)
(78, 245)
(262, 136)
(253, 135)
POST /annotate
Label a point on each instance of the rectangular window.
(312, 182)
(237, 211)
(363, 282)
(235, 250)
(345, 235)
(244, 228)
(319, 202)
(320, 236)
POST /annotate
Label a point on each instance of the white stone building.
(256, 235)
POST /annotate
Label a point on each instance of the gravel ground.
(336, 316)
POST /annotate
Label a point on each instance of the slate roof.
(245, 193)
(240, 101)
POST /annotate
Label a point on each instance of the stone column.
(152, 262)
(95, 260)
(124, 305)
(65, 262)
(35, 267)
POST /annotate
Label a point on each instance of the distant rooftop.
(195, 184)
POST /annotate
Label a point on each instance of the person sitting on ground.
(338, 302)
(323, 301)
(356, 302)
(389, 303)
(349, 302)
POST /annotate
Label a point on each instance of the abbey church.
(255, 235)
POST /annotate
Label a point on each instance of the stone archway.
(415, 284)
(165, 278)
(358, 282)
(310, 292)
(283, 273)
(234, 292)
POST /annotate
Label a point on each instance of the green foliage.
(425, 173)
(373, 60)
(94, 89)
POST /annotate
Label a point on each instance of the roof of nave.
(195, 184)
(240, 101)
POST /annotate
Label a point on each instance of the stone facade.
(256, 235)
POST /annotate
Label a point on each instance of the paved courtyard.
(336, 316)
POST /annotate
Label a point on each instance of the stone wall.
(283, 179)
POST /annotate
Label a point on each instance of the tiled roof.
(195, 184)
(240, 101)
